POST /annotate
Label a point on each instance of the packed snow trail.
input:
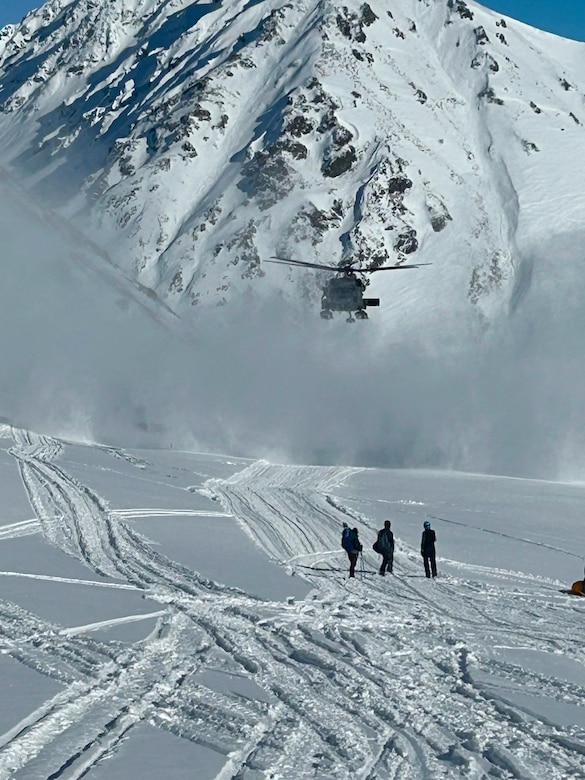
(393, 677)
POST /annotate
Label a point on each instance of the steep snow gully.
(394, 677)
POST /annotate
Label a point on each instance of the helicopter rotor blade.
(303, 264)
(388, 268)
(349, 268)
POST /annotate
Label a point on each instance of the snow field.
(476, 674)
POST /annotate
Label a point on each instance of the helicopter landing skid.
(361, 315)
(326, 314)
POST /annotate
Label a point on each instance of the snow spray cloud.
(85, 357)
(508, 400)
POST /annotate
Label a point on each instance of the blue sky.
(564, 17)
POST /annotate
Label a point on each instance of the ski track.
(405, 658)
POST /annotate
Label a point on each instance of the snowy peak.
(197, 139)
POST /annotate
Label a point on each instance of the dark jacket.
(386, 540)
(427, 543)
(350, 541)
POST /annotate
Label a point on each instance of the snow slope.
(165, 613)
(145, 628)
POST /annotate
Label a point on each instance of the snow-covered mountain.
(191, 141)
(196, 139)
(168, 613)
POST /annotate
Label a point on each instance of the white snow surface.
(171, 614)
(174, 615)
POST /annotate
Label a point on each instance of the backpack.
(376, 547)
(347, 540)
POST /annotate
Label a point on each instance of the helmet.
(427, 524)
(387, 523)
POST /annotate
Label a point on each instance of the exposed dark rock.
(328, 122)
(399, 185)
(406, 242)
(201, 113)
(341, 136)
(378, 257)
(266, 177)
(487, 278)
(189, 149)
(475, 287)
(176, 285)
(352, 26)
(298, 126)
(489, 94)
(484, 59)
(481, 37)
(243, 249)
(438, 213)
(319, 221)
(368, 16)
(344, 26)
(298, 151)
(492, 63)
(439, 222)
(336, 166)
(270, 26)
(529, 146)
(535, 108)
(461, 8)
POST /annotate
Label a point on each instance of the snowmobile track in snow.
(376, 679)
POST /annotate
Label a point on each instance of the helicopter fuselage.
(346, 293)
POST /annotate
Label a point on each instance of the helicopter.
(345, 292)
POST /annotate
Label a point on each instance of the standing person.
(385, 547)
(427, 549)
(352, 546)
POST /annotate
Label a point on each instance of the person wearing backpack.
(352, 546)
(427, 549)
(384, 546)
